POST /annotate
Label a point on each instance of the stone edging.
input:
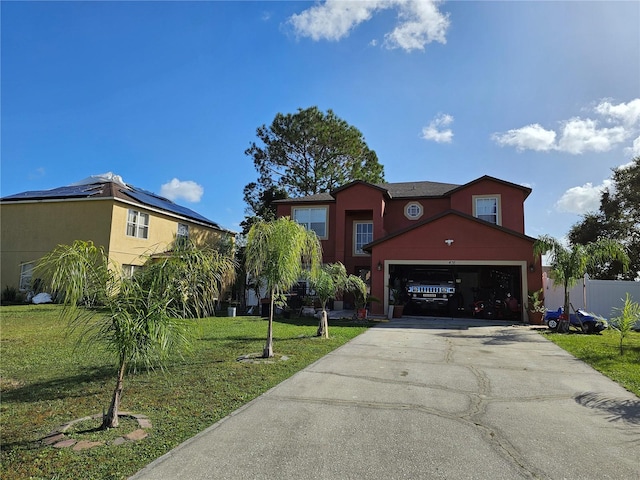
(59, 439)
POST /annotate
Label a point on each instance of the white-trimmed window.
(182, 235)
(413, 210)
(362, 234)
(129, 270)
(26, 275)
(137, 224)
(487, 208)
(313, 218)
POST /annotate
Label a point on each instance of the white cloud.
(419, 21)
(531, 137)
(579, 135)
(580, 200)
(634, 149)
(627, 113)
(433, 130)
(37, 173)
(187, 190)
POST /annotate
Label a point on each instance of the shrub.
(625, 322)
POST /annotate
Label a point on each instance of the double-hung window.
(129, 270)
(313, 218)
(182, 235)
(487, 208)
(362, 234)
(137, 224)
(26, 274)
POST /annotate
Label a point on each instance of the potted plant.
(396, 307)
(535, 307)
(360, 298)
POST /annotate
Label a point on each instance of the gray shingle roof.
(417, 189)
(404, 190)
(394, 190)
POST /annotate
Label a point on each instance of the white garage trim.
(524, 294)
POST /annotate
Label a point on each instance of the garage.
(456, 289)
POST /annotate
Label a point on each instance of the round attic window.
(413, 211)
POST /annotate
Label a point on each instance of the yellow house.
(128, 222)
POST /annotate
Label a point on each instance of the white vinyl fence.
(601, 297)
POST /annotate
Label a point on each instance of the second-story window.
(487, 208)
(313, 218)
(363, 234)
(138, 224)
(182, 235)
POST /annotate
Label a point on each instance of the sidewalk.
(426, 398)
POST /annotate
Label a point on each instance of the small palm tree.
(143, 317)
(280, 251)
(333, 280)
(569, 264)
(629, 316)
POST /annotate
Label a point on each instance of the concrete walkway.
(426, 398)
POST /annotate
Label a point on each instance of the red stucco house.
(405, 234)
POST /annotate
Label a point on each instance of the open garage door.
(484, 291)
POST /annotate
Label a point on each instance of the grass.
(602, 352)
(47, 380)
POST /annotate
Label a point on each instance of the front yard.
(47, 380)
(602, 352)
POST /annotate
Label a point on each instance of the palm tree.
(279, 251)
(333, 280)
(142, 318)
(570, 263)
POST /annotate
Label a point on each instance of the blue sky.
(168, 95)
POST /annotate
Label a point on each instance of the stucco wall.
(162, 231)
(473, 244)
(394, 215)
(31, 229)
(511, 202)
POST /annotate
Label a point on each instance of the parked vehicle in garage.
(432, 289)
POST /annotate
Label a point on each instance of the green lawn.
(602, 352)
(46, 380)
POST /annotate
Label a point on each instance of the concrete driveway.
(426, 398)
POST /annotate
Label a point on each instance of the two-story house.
(127, 221)
(407, 236)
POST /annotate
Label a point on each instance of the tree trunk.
(111, 419)
(268, 348)
(563, 325)
(323, 325)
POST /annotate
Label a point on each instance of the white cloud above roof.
(435, 132)
(582, 199)
(419, 21)
(531, 137)
(579, 135)
(177, 189)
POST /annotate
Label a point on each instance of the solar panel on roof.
(153, 200)
(74, 191)
(84, 191)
